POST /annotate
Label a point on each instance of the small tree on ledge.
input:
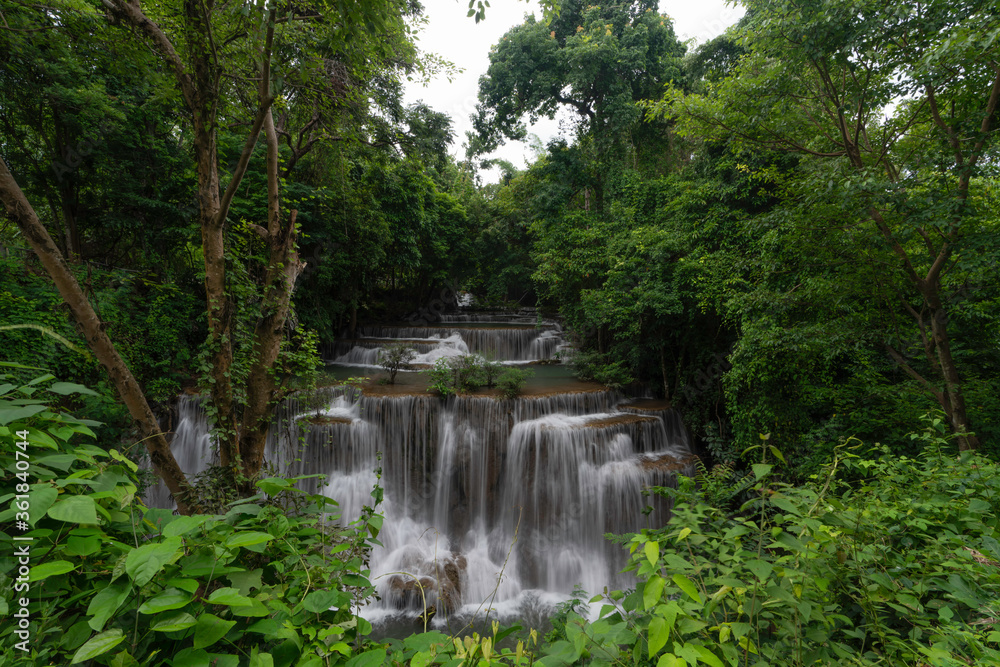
(394, 358)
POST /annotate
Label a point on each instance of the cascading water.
(486, 499)
(504, 341)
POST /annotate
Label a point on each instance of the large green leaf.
(185, 524)
(320, 601)
(40, 499)
(10, 413)
(230, 597)
(170, 598)
(248, 538)
(144, 563)
(67, 388)
(107, 601)
(51, 569)
(368, 659)
(652, 591)
(75, 509)
(687, 586)
(659, 633)
(99, 645)
(177, 621)
(210, 629)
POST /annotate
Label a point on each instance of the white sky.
(460, 40)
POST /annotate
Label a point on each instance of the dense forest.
(790, 234)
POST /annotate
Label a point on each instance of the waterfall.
(501, 341)
(463, 477)
(486, 500)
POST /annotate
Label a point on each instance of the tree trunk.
(663, 370)
(279, 282)
(93, 332)
(954, 397)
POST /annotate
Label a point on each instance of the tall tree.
(597, 61)
(896, 106)
(215, 52)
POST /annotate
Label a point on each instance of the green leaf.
(367, 659)
(99, 645)
(123, 659)
(104, 605)
(272, 486)
(652, 591)
(247, 539)
(261, 659)
(178, 621)
(669, 660)
(210, 629)
(40, 499)
(785, 503)
(761, 470)
(75, 509)
(67, 388)
(51, 569)
(687, 586)
(761, 569)
(19, 413)
(183, 525)
(170, 598)
(144, 563)
(659, 633)
(707, 656)
(652, 552)
(230, 597)
(60, 461)
(320, 601)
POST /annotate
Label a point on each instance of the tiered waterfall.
(505, 501)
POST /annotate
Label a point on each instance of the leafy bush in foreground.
(113, 582)
(899, 568)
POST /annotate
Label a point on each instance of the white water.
(503, 342)
(462, 477)
(488, 502)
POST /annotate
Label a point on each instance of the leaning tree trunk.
(97, 340)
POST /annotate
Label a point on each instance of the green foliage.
(879, 560)
(440, 378)
(435, 648)
(491, 370)
(595, 366)
(270, 580)
(470, 372)
(511, 381)
(394, 358)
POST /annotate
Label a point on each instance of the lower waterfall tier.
(485, 499)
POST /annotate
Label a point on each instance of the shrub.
(114, 582)
(511, 381)
(453, 375)
(491, 371)
(467, 372)
(899, 567)
(596, 367)
(440, 378)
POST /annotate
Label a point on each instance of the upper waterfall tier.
(501, 341)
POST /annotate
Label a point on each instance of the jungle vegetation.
(791, 232)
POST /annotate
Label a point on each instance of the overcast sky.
(466, 44)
